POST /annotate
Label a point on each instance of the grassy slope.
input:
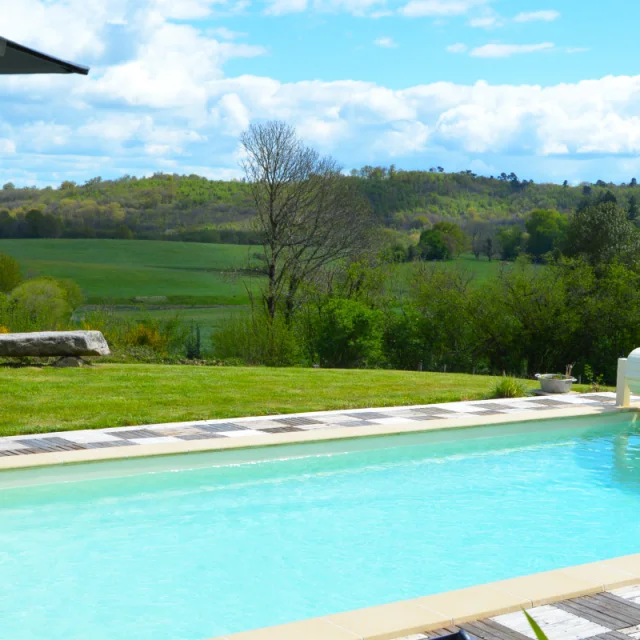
(123, 269)
(42, 400)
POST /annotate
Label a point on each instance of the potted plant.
(556, 382)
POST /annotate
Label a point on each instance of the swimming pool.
(194, 546)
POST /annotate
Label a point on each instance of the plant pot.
(551, 383)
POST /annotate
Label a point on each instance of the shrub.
(38, 305)
(404, 343)
(143, 335)
(193, 346)
(139, 339)
(509, 388)
(9, 273)
(348, 334)
(257, 339)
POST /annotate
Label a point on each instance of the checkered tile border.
(613, 615)
(210, 429)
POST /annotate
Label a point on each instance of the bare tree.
(309, 214)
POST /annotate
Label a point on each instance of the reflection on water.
(612, 455)
(626, 456)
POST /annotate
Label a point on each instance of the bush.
(193, 345)
(256, 339)
(38, 305)
(143, 335)
(9, 273)
(403, 342)
(509, 388)
(347, 334)
(145, 340)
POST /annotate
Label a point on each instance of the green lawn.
(120, 270)
(108, 395)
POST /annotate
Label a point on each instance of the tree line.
(192, 208)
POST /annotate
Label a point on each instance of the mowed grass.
(109, 395)
(120, 270)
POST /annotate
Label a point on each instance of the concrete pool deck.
(70, 447)
(599, 601)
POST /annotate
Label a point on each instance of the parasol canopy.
(18, 59)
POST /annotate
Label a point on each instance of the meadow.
(119, 271)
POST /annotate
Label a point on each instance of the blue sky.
(545, 88)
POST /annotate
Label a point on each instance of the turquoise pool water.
(191, 547)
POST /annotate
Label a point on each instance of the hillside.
(191, 208)
(119, 271)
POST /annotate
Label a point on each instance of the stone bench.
(71, 345)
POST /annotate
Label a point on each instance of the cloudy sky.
(545, 88)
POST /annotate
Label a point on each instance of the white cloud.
(283, 7)
(48, 25)
(7, 146)
(167, 103)
(385, 43)
(185, 9)
(231, 114)
(171, 69)
(402, 139)
(577, 49)
(459, 47)
(508, 50)
(226, 34)
(534, 16)
(431, 8)
(486, 22)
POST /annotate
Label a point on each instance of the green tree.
(9, 273)
(601, 233)
(432, 246)
(441, 324)
(445, 240)
(348, 334)
(511, 241)
(633, 209)
(608, 196)
(42, 225)
(546, 229)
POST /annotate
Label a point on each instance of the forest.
(192, 208)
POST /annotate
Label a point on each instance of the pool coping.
(399, 426)
(405, 617)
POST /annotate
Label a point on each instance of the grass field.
(121, 270)
(108, 395)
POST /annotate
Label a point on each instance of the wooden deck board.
(490, 630)
(608, 619)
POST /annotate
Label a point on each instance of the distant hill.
(196, 209)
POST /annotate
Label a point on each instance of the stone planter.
(551, 383)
